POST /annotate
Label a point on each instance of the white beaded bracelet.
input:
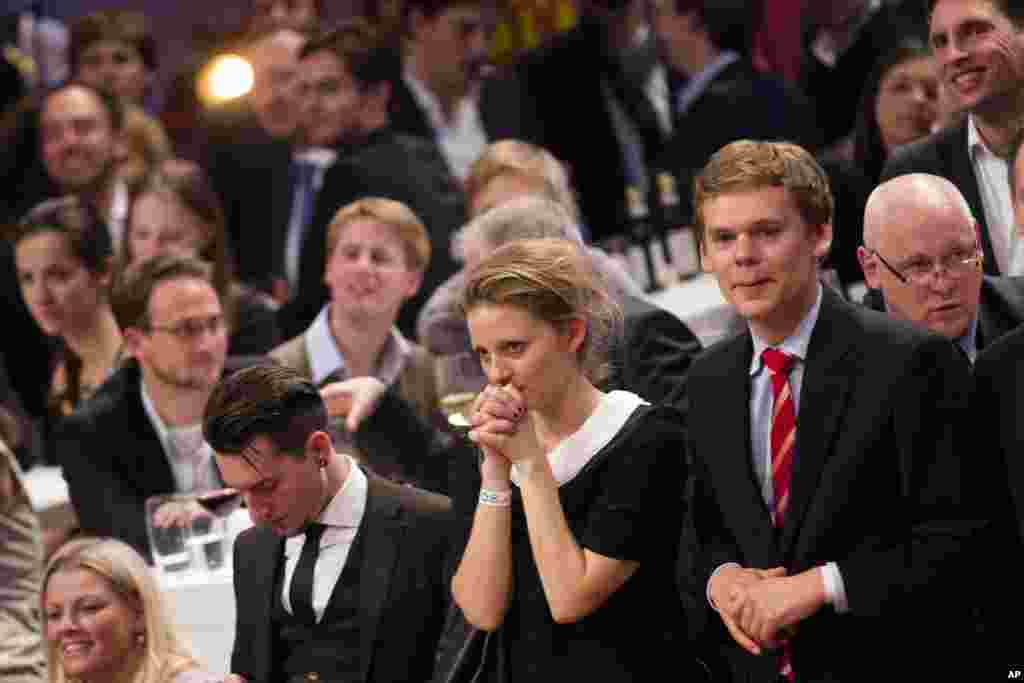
(500, 499)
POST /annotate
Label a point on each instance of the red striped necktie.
(783, 442)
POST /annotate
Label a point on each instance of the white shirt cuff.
(707, 588)
(835, 591)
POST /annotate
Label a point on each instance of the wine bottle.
(680, 238)
(640, 231)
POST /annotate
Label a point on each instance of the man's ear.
(869, 265)
(133, 337)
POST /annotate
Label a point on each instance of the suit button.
(312, 676)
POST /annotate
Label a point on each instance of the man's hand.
(768, 610)
(179, 513)
(726, 589)
(354, 399)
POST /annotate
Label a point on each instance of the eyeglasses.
(954, 265)
(192, 328)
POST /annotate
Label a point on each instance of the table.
(202, 604)
(699, 303)
(203, 608)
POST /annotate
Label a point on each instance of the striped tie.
(783, 443)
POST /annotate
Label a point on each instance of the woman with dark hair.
(899, 104)
(176, 209)
(62, 252)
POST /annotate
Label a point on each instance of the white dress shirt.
(342, 516)
(761, 410)
(463, 139)
(190, 457)
(993, 175)
(325, 357)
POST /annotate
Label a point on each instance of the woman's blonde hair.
(552, 280)
(124, 570)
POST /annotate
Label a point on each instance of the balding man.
(922, 260)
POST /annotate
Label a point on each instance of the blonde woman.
(574, 538)
(105, 621)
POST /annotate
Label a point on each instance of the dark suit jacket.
(836, 90)
(945, 154)
(564, 110)
(112, 458)
(1000, 307)
(404, 590)
(386, 165)
(876, 488)
(739, 103)
(655, 351)
(252, 175)
(499, 104)
(999, 434)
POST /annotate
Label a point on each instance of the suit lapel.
(963, 175)
(731, 457)
(383, 525)
(823, 397)
(145, 459)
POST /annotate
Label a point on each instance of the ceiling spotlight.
(225, 78)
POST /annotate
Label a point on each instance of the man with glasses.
(923, 264)
(140, 434)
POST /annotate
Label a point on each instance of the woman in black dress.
(575, 533)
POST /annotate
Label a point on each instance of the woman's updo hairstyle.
(553, 280)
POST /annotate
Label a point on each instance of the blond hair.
(552, 280)
(747, 165)
(406, 226)
(127, 575)
(526, 161)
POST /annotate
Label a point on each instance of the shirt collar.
(975, 143)
(163, 432)
(795, 344)
(576, 450)
(699, 82)
(321, 157)
(154, 417)
(345, 511)
(427, 100)
(325, 357)
(969, 341)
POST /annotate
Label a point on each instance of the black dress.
(625, 503)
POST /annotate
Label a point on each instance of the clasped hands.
(503, 428)
(761, 608)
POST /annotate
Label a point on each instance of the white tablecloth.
(203, 608)
(699, 303)
(202, 605)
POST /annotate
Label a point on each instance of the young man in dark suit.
(346, 76)
(722, 97)
(827, 507)
(913, 222)
(977, 46)
(139, 434)
(343, 578)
